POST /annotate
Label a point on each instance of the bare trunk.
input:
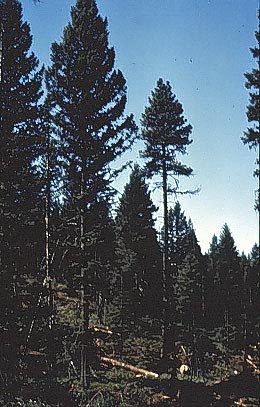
(47, 235)
(1, 50)
(165, 279)
(84, 366)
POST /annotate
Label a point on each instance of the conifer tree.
(20, 184)
(228, 289)
(88, 98)
(213, 246)
(213, 304)
(189, 295)
(178, 233)
(166, 136)
(178, 245)
(251, 299)
(252, 135)
(142, 279)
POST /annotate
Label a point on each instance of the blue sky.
(202, 48)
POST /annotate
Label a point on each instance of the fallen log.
(35, 353)
(252, 364)
(123, 365)
(104, 330)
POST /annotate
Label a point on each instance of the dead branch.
(221, 380)
(35, 353)
(64, 297)
(252, 364)
(104, 330)
(123, 365)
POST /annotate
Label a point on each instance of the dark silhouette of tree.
(88, 97)
(166, 136)
(135, 228)
(21, 204)
(227, 289)
(178, 233)
(251, 301)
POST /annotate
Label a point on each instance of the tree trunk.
(84, 365)
(165, 326)
(1, 51)
(47, 233)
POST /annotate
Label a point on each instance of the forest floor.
(233, 385)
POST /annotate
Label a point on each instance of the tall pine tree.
(88, 98)
(20, 183)
(166, 135)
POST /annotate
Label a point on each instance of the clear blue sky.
(202, 48)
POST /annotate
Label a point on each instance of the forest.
(98, 308)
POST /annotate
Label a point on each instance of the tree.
(178, 230)
(88, 98)
(135, 227)
(213, 302)
(21, 204)
(252, 135)
(213, 248)
(166, 135)
(189, 282)
(178, 233)
(229, 285)
(252, 296)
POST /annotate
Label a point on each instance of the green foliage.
(208, 305)
(177, 234)
(253, 84)
(252, 135)
(166, 135)
(21, 206)
(22, 403)
(87, 99)
(165, 132)
(139, 252)
(89, 107)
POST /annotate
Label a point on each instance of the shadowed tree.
(166, 135)
(135, 227)
(252, 301)
(21, 204)
(227, 288)
(88, 99)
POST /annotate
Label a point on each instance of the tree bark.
(84, 365)
(47, 233)
(1, 51)
(165, 325)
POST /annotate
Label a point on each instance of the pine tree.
(178, 245)
(230, 282)
(189, 295)
(21, 206)
(177, 235)
(252, 135)
(252, 296)
(166, 135)
(213, 303)
(135, 228)
(88, 98)
(213, 246)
